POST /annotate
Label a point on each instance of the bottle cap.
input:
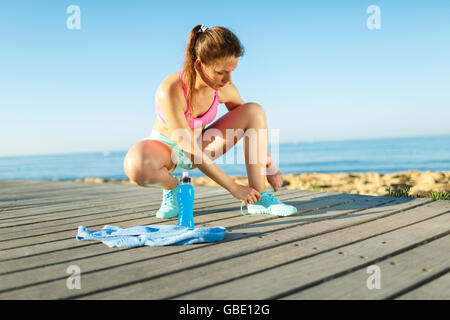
(185, 177)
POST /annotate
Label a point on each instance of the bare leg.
(148, 162)
(250, 120)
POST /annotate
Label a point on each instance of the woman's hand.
(245, 194)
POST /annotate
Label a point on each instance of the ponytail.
(208, 45)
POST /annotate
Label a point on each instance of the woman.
(179, 137)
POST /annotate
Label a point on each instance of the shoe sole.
(264, 210)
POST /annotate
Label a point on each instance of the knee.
(256, 112)
(140, 168)
(131, 168)
(134, 169)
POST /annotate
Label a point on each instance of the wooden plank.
(200, 221)
(88, 194)
(55, 206)
(59, 251)
(282, 250)
(22, 199)
(90, 199)
(397, 273)
(46, 258)
(201, 217)
(311, 267)
(60, 188)
(188, 258)
(55, 189)
(201, 203)
(437, 289)
(248, 225)
(128, 201)
(111, 209)
(64, 202)
(52, 188)
(63, 209)
(10, 187)
(59, 191)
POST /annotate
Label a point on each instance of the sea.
(386, 155)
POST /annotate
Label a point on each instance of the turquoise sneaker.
(268, 204)
(169, 205)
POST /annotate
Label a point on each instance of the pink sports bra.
(194, 123)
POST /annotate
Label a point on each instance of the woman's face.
(218, 74)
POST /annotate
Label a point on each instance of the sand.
(372, 183)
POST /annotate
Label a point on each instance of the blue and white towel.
(152, 235)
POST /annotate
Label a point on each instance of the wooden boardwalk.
(334, 248)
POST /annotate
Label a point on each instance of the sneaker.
(268, 204)
(169, 205)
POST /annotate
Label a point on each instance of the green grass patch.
(439, 195)
(399, 190)
(402, 191)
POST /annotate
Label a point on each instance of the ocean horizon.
(383, 155)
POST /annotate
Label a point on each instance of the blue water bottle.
(185, 198)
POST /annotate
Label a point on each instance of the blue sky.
(314, 66)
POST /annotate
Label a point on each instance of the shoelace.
(167, 196)
(268, 194)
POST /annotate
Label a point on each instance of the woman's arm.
(229, 95)
(182, 134)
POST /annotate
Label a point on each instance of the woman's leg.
(248, 120)
(149, 162)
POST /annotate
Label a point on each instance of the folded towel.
(152, 235)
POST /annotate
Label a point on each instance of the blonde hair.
(208, 46)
